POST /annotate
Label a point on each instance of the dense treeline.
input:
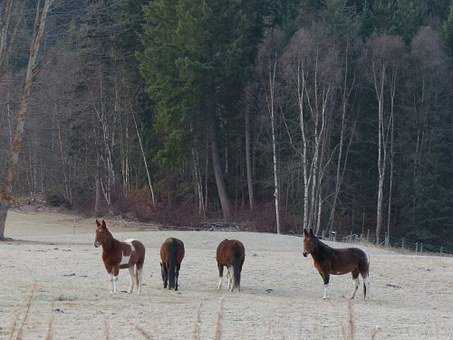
(331, 114)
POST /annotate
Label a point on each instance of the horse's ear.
(98, 223)
(305, 232)
(311, 232)
(103, 224)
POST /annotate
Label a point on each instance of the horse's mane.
(323, 250)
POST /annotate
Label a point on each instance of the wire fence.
(419, 247)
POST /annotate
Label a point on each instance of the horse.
(329, 261)
(230, 253)
(171, 255)
(120, 255)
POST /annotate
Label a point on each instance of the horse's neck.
(109, 244)
(322, 252)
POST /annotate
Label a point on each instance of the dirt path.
(411, 297)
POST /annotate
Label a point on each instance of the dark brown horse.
(171, 255)
(231, 254)
(119, 255)
(329, 261)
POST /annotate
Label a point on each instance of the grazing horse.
(171, 255)
(230, 253)
(120, 255)
(328, 261)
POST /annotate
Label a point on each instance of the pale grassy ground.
(411, 297)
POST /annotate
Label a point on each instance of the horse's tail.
(172, 264)
(237, 266)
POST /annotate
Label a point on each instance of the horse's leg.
(326, 279)
(220, 267)
(109, 271)
(132, 278)
(116, 270)
(177, 276)
(139, 275)
(230, 278)
(366, 285)
(355, 280)
(163, 270)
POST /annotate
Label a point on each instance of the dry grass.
(147, 336)
(17, 333)
(348, 330)
(196, 329)
(219, 323)
(50, 330)
(106, 330)
(375, 332)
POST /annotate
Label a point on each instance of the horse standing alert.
(120, 255)
(230, 253)
(329, 261)
(171, 255)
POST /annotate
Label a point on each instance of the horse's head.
(102, 233)
(310, 242)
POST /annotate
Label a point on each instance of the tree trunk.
(16, 146)
(248, 160)
(382, 146)
(271, 109)
(148, 176)
(216, 166)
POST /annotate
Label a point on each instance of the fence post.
(402, 243)
(421, 248)
(441, 250)
(368, 235)
(416, 248)
(386, 240)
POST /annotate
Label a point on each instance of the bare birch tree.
(17, 143)
(383, 57)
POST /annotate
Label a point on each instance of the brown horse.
(120, 255)
(171, 255)
(328, 261)
(230, 253)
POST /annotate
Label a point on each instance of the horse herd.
(130, 254)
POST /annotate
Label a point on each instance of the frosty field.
(53, 258)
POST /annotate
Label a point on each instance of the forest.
(274, 115)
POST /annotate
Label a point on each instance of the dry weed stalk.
(106, 330)
(20, 330)
(349, 328)
(219, 323)
(143, 333)
(196, 330)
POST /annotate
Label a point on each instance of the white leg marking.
(111, 281)
(132, 279)
(219, 285)
(326, 286)
(115, 284)
(231, 279)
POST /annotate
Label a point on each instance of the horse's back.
(353, 256)
(229, 251)
(169, 244)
